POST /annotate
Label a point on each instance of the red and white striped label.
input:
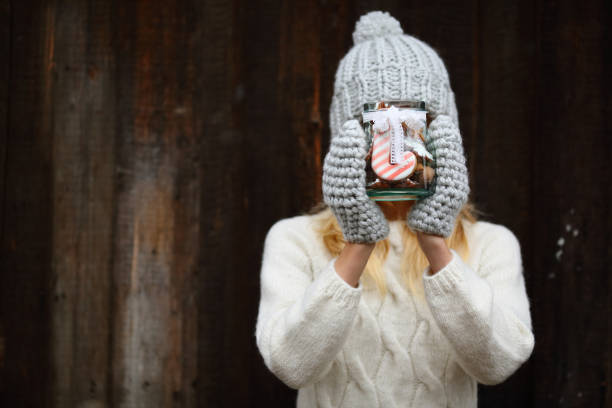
(381, 159)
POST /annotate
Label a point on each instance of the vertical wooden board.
(157, 208)
(214, 126)
(571, 277)
(186, 114)
(268, 137)
(503, 149)
(237, 332)
(25, 256)
(238, 132)
(607, 147)
(268, 189)
(299, 75)
(5, 75)
(83, 119)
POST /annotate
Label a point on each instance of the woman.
(380, 304)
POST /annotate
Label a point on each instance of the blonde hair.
(413, 260)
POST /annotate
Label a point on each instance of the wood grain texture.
(5, 75)
(27, 213)
(148, 146)
(154, 291)
(299, 80)
(606, 371)
(83, 118)
(5, 95)
(224, 177)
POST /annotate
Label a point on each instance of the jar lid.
(420, 105)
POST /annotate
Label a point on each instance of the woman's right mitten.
(344, 187)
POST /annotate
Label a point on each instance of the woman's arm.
(352, 261)
(435, 249)
(302, 323)
(484, 315)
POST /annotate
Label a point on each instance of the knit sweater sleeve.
(302, 321)
(485, 313)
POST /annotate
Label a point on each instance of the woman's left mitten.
(436, 214)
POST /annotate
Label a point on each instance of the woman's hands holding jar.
(344, 187)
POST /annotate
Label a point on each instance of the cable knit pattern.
(347, 347)
(360, 219)
(436, 213)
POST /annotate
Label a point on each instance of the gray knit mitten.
(436, 214)
(360, 219)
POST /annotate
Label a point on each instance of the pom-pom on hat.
(386, 64)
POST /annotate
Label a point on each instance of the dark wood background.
(147, 146)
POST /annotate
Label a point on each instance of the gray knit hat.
(386, 64)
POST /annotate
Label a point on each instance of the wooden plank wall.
(147, 146)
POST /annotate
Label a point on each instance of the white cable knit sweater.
(346, 347)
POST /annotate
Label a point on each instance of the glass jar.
(399, 167)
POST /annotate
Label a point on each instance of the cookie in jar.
(400, 164)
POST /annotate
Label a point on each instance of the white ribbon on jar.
(393, 118)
